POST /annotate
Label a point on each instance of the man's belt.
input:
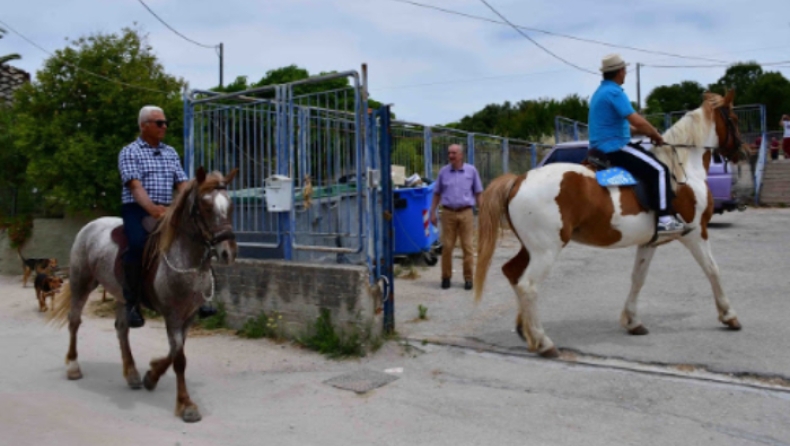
(458, 209)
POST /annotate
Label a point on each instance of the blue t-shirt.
(609, 106)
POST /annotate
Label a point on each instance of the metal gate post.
(758, 176)
(385, 148)
(505, 155)
(189, 142)
(428, 152)
(470, 148)
(283, 145)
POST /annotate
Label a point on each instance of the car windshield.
(568, 155)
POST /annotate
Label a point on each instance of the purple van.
(721, 176)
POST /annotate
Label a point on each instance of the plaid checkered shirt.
(157, 168)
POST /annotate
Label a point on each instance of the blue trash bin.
(412, 228)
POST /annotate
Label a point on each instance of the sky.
(434, 67)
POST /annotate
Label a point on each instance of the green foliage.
(20, 228)
(70, 125)
(530, 120)
(262, 326)
(216, 321)
(7, 57)
(423, 310)
(324, 339)
(686, 95)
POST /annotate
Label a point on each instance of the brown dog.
(37, 266)
(46, 286)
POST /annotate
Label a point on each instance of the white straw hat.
(612, 62)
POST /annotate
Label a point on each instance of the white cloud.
(407, 45)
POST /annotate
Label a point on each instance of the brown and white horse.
(197, 226)
(550, 206)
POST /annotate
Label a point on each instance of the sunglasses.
(159, 122)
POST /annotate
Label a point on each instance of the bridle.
(205, 235)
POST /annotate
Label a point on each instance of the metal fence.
(423, 150)
(566, 129)
(313, 138)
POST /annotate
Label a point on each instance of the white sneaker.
(671, 226)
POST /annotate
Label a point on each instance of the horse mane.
(161, 239)
(692, 129)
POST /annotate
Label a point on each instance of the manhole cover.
(361, 381)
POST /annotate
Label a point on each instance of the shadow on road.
(719, 225)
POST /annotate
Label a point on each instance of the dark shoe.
(445, 284)
(134, 318)
(468, 285)
(132, 290)
(206, 310)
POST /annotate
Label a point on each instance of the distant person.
(774, 149)
(458, 188)
(785, 123)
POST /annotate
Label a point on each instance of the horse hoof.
(191, 414)
(149, 382)
(550, 353)
(639, 330)
(733, 324)
(133, 380)
(73, 375)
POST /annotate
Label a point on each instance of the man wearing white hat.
(612, 118)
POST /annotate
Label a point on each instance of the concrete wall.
(51, 237)
(297, 292)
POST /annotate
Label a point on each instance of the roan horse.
(196, 227)
(550, 206)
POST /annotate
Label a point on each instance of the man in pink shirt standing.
(457, 189)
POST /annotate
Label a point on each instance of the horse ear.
(200, 175)
(729, 97)
(229, 177)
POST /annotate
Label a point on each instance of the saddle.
(609, 176)
(118, 236)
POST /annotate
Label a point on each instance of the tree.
(71, 124)
(741, 77)
(7, 57)
(686, 95)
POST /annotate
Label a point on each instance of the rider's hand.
(157, 211)
(658, 140)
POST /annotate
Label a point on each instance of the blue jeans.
(133, 214)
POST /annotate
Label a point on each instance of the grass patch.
(326, 340)
(423, 310)
(262, 326)
(215, 322)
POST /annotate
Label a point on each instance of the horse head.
(212, 213)
(726, 122)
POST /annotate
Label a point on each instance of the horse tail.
(61, 307)
(492, 206)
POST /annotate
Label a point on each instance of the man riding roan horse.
(149, 171)
(612, 119)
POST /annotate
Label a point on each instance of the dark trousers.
(652, 172)
(133, 214)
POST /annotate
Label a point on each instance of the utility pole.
(638, 90)
(222, 60)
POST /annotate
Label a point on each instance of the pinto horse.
(195, 228)
(558, 203)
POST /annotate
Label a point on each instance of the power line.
(565, 61)
(766, 64)
(173, 29)
(551, 33)
(139, 87)
(462, 81)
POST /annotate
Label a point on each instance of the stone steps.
(776, 183)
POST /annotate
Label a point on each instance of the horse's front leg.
(700, 249)
(185, 408)
(122, 329)
(629, 318)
